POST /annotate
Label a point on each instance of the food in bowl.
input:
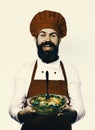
(45, 106)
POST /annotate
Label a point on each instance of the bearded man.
(47, 28)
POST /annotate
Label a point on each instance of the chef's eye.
(42, 34)
(54, 35)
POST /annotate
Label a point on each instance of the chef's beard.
(48, 56)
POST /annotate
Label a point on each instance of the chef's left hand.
(68, 113)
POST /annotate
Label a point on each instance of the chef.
(47, 28)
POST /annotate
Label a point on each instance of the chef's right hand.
(26, 113)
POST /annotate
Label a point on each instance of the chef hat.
(48, 19)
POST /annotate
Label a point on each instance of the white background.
(17, 47)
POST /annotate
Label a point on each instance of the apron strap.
(34, 70)
(63, 71)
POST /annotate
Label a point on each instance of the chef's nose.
(47, 38)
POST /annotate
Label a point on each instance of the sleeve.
(75, 94)
(21, 84)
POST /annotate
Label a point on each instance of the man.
(47, 27)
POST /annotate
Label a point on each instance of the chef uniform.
(38, 87)
(28, 76)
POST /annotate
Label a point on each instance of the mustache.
(47, 43)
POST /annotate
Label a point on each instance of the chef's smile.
(47, 48)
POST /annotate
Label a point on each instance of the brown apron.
(55, 87)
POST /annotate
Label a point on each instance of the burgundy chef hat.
(48, 19)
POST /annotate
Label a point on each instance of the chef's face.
(47, 45)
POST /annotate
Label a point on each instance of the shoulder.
(68, 66)
(25, 69)
(71, 71)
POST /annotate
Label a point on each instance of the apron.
(55, 87)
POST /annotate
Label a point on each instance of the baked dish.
(50, 105)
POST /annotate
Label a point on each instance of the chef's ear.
(35, 39)
(59, 40)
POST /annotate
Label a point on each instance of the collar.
(53, 65)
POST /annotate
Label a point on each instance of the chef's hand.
(27, 113)
(68, 113)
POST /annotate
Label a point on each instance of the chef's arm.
(76, 101)
(76, 109)
(19, 93)
(75, 94)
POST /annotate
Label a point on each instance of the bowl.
(46, 106)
